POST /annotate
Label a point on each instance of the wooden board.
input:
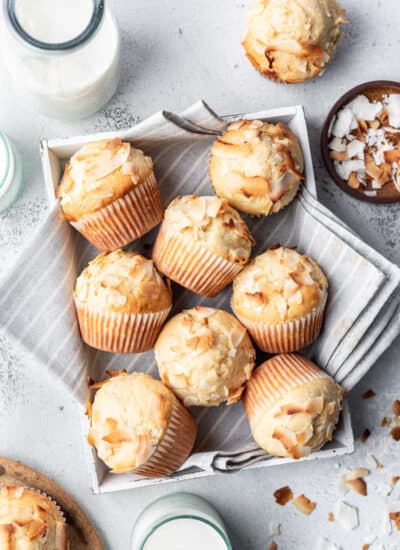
(82, 534)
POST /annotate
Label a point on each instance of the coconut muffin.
(280, 298)
(121, 302)
(256, 166)
(30, 521)
(109, 193)
(205, 356)
(202, 244)
(293, 40)
(138, 425)
(292, 406)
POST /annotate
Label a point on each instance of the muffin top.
(301, 417)
(122, 281)
(30, 521)
(257, 166)
(100, 173)
(128, 418)
(293, 40)
(205, 356)
(214, 223)
(278, 285)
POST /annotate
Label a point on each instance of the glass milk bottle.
(178, 522)
(62, 55)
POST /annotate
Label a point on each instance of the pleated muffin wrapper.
(288, 336)
(191, 264)
(276, 377)
(175, 446)
(124, 220)
(62, 541)
(118, 332)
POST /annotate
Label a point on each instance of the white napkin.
(36, 305)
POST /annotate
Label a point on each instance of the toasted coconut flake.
(286, 437)
(368, 394)
(393, 155)
(97, 385)
(302, 278)
(304, 504)
(357, 485)
(365, 435)
(395, 433)
(394, 480)
(331, 517)
(396, 408)
(273, 546)
(353, 181)
(395, 517)
(283, 495)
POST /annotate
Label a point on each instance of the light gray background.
(173, 54)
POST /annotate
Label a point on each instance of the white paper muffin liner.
(175, 445)
(288, 336)
(124, 220)
(119, 332)
(276, 377)
(191, 264)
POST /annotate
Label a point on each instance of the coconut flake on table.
(325, 544)
(393, 107)
(347, 516)
(364, 109)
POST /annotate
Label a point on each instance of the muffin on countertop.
(280, 298)
(122, 302)
(30, 521)
(202, 243)
(257, 166)
(205, 356)
(293, 40)
(109, 193)
(138, 425)
(292, 406)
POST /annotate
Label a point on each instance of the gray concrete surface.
(173, 54)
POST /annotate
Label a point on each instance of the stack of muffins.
(205, 356)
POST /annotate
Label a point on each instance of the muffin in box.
(202, 244)
(292, 406)
(30, 521)
(109, 194)
(280, 298)
(121, 302)
(256, 166)
(138, 425)
(205, 356)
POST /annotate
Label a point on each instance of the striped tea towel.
(36, 305)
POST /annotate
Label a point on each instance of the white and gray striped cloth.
(363, 312)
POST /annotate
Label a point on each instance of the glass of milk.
(64, 55)
(180, 521)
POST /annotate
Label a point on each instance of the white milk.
(54, 21)
(184, 533)
(71, 83)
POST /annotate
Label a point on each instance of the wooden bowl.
(374, 90)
